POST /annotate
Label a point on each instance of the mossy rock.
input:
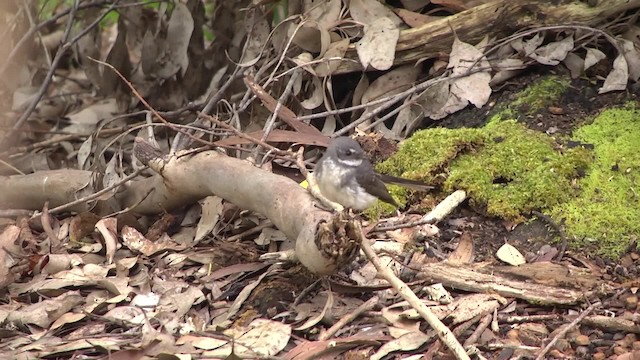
(587, 182)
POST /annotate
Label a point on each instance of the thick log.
(499, 18)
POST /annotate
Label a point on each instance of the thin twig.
(240, 134)
(563, 332)
(306, 291)
(284, 53)
(209, 117)
(272, 119)
(57, 140)
(97, 194)
(135, 92)
(133, 206)
(249, 96)
(364, 307)
(281, 100)
(391, 98)
(213, 101)
(10, 166)
(457, 331)
(558, 229)
(482, 325)
(445, 335)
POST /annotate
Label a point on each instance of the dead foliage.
(118, 248)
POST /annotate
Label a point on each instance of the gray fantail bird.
(345, 176)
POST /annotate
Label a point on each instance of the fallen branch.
(613, 324)
(59, 187)
(476, 280)
(323, 243)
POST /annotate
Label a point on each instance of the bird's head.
(346, 151)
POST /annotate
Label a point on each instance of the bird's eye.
(350, 152)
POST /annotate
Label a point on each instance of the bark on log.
(56, 186)
(498, 18)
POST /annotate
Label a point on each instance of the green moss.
(519, 170)
(606, 214)
(422, 158)
(509, 170)
(506, 168)
(543, 93)
(427, 151)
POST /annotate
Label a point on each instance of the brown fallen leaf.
(463, 254)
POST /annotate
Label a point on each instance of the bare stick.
(148, 106)
(240, 134)
(237, 72)
(561, 334)
(284, 113)
(445, 335)
(248, 97)
(58, 139)
(364, 307)
(97, 194)
(285, 94)
(458, 331)
(482, 325)
(444, 208)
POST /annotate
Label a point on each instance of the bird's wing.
(374, 186)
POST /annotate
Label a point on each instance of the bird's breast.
(338, 184)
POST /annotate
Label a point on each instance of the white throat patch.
(351, 162)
